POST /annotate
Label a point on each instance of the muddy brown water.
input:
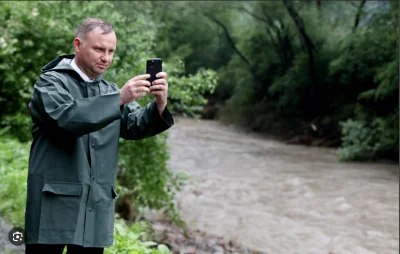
(277, 198)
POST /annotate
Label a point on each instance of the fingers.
(161, 75)
(141, 89)
(157, 87)
(138, 95)
(138, 87)
(160, 82)
(157, 92)
(141, 83)
(140, 77)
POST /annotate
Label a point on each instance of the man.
(77, 120)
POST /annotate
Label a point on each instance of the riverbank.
(194, 241)
(163, 232)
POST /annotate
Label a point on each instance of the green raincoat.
(74, 155)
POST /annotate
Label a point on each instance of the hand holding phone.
(153, 66)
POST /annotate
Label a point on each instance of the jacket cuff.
(166, 117)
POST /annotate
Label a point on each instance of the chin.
(100, 71)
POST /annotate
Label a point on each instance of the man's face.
(94, 53)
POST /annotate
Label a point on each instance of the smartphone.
(153, 66)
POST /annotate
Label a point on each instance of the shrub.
(364, 141)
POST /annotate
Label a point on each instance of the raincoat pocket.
(61, 203)
(111, 214)
(105, 211)
(114, 193)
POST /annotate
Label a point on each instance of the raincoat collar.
(63, 63)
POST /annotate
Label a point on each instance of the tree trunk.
(285, 46)
(319, 4)
(356, 23)
(278, 36)
(309, 45)
(358, 15)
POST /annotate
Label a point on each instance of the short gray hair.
(89, 24)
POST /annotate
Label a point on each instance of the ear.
(78, 42)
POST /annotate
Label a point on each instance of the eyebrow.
(102, 47)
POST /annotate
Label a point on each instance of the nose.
(105, 57)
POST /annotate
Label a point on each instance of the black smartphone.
(153, 66)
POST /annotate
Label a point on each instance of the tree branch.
(358, 15)
(254, 15)
(355, 5)
(300, 25)
(307, 42)
(284, 50)
(319, 4)
(228, 36)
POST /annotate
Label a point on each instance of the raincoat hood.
(63, 63)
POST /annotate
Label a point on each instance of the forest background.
(322, 73)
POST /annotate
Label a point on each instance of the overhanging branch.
(229, 37)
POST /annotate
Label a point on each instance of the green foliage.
(377, 101)
(188, 91)
(145, 178)
(387, 78)
(188, 35)
(292, 88)
(359, 140)
(128, 240)
(309, 64)
(238, 107)
(388, 143)
(363, 140)
(18, 125)
(13, 168)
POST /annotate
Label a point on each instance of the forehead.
(97, 37)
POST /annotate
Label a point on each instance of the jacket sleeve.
(79, 116)
(138, 123)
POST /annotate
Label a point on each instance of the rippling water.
(277, 198)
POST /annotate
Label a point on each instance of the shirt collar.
(83, 75)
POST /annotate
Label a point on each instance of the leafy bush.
(128, 240)
(14, 171)
(187, 92)
(144, 177)
(358, 140)
(365, 141)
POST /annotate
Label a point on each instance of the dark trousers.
(59, 248)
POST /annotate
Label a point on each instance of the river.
(277, 198)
